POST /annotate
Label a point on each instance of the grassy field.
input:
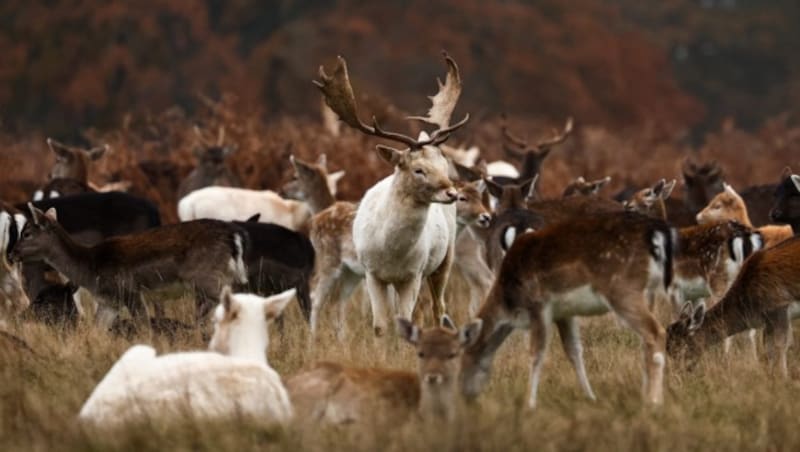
(722, 404)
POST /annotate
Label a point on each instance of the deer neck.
(530, 166)
(496, 327)
(319, 196)
(408, 215)
(731, 315)
(72, 259)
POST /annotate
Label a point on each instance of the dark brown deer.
(583, 267)
(211, 168)
(787, 202)
(70, 172)
(118, 269)
(531, 154)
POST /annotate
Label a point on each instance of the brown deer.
(70, 172)
(532, 155)
(787, 204)
(337, 394)
(405, 225)
(768, 283)
(582, 187)
(118, 269)
(583, 267)
(211, 167)
(312, 183)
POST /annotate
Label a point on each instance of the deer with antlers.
(211, 168)
(405, 226)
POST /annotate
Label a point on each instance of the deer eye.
(419, 172)
(452, 355)
(421, 355)
(462, 198)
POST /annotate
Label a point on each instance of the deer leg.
(378, 292)
(349, 282)
(407, 293)
(437, 282)
(777, 330)
(633, 310)
(539, 336)
(569, 332)
(106, 313)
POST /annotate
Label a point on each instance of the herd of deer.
(532, 262)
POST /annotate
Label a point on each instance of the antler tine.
(440, 136)
(338, 93)
(199, 134)
(519, 142)
(559, 137)
(445, 100)
(221, 136)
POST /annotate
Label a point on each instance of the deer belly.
(692, 288)
(582, 301)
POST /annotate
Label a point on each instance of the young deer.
(211, 168)
(768, 283)
(404, 230)
(313, 184)
(233, 380)
(337, 394)
(582, 267)
(118, 269)
(728, 205)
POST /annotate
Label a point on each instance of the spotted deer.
(211, 168)
(584, 267)
(405, 225)
(337, 394)
(768, 283)
(116, 270)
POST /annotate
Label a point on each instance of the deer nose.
(434, 379)
(452, 194)
(484, 220)
(775, 214)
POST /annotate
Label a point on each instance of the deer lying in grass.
(768, 283)
(337, 394)
(118, 269)
(337, 269)
(403, 230)
(70, 172)
(13, 298)
(584, 267)
(233, 380)
(211, 168)
(728, 205)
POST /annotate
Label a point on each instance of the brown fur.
(311, 184)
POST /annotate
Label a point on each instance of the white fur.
(38, 195)
(54, 194)
(502, 168)
(509, 236)
(237, 264)
(796, 180)
(581, 301)
(239, 204)
(202, 385)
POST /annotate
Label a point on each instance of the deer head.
(582, 187)
(787, 201)
(421, 170)
(701, 183)
(311, 177)
(72, 162)
(513, 196)
(726, 205)
(680, 332)
(211, 153)
(469, 205)
(650, 200)
(39, 237)
(532, 155)
(240, 323)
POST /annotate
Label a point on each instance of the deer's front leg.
(379, 300)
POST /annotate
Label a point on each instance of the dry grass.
(723, 404)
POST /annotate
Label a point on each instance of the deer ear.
(796, 181)
(98, 152)
(668, 187)
(495, 189)
(407, 330)
(57, 148)
(470, 332)
(447, 323)
(51, 214)
(36, 214)
(334, 177)
(275, 304)
(394, 156)
(481, 187)
(698, 315)
(226, 298)
(322, 161)
(786, 173)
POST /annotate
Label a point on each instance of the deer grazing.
(211, 168)
(405, 225)
(118, 269)
(337, 394)
(233, 380)
(583, 267)
(768, 283)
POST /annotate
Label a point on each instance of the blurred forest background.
(715, 77)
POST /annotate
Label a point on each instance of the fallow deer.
(338, 394)
(211, 168)
(582, 187)
(728, 205)
(787, 203)
(768, 283)
(313, 184)
(116, 270)
(532, 156)
(405, 225)
(232, 381)
(584, 267)
(70, 172)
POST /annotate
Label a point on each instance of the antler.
(338, 93)
(509, 136)
(221, 136)
(558, 138)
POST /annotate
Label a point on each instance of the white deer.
(231, 380)
(405, 225)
